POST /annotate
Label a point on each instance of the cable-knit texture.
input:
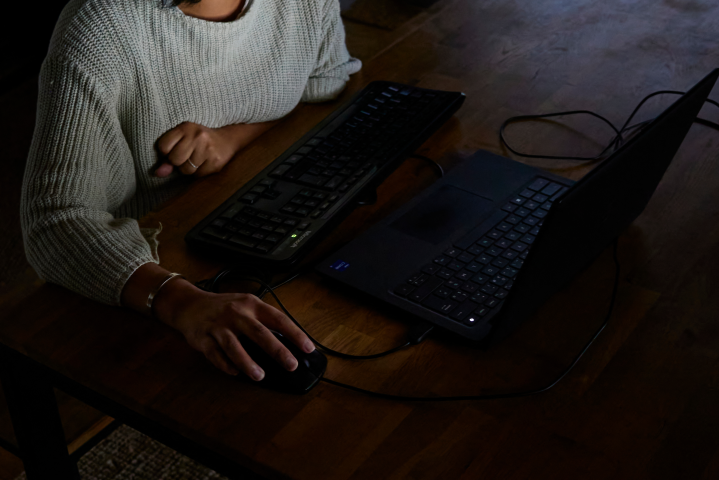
(118, 75)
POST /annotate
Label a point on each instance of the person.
(138, 96)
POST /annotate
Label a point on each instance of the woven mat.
(126, 454)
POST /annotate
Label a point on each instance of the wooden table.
(641, 404)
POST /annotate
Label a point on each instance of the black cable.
(427, 159)
(614, 143)
(416, 335)
(498, 396)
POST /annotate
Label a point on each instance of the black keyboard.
(474, 276)
(275, 218)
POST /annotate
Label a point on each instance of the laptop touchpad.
(442, 214)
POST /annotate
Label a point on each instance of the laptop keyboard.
(474, 276)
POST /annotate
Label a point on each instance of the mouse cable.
(498, 396)
(439, 168)
(614, 143)
(416, 334)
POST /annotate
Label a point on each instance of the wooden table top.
(641, 404)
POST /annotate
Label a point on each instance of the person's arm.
(334, 64)
(213, 323)
(198, 150)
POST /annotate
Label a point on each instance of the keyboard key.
(513, 219)
(474, 267)
(491, 302)
(464, 275)
(527, 193)
(216, 233)
(479, 297)
(495, 234)
(445, 274)
(504, 226)
(243, 241)
(522, 228)
(531, 221)
(417, 279)
(453, 283)
(456, 266)
(431, 269)
(469, 287)
(518, 200)
(426, 288)
(494, 251)
(489, 289)
(520, 247)
(500, 262)
(490, 270)
(475, 250)
(538, 184)
(510, 207)
(480, 278)
(481, 311)
(281, 170)
(501, 294)
(513, 236)
(534, 231)
(559, 193)
(465, 257)
(249, 198)
(484, 259)
(531, 205)
(442, 260)
(539, 198)
(522, 212)
(509, 272)
(438, 304)
(528, 239)
(510, 254)
(517, 263)
(485, 242)
(499, 280)
(551, 189)
(504, 243)
(443, 291)
(459, 296)
(452, 252)
(539, 213)
(464, 310)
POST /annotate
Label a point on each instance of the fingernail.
(258, 374)
(309, 347)
(290, 363)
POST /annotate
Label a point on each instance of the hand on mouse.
(211, 323)
(198, 150)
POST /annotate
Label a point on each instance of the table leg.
(36, 420)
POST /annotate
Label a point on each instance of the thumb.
(164, 170)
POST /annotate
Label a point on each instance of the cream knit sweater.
(119, 74)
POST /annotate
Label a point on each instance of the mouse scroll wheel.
(306, 362)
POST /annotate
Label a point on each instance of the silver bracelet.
(153, 294)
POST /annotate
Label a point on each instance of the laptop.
(482, 248)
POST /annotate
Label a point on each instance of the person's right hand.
(213, 323)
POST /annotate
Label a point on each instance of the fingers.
(231, 347)
(164, 170)
(217, 358)
(169, 139)
(279, 322)
(267, 341)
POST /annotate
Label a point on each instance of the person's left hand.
(197, 150)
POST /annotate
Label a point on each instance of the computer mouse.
(310, 367)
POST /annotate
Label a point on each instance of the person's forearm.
(242, 134)
(145, 280)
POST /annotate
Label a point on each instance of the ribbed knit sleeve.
(334, 64)
(79, 169)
